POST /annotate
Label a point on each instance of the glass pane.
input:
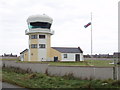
(39, 25)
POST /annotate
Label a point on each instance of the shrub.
(17, 69)
(46, 72)
(69, 76)
(116, 83)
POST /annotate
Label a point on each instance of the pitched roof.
(68, 49)
(24, 51)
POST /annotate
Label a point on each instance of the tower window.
(39, 25)
(65, 55)
(33, 36)
(33, 45)
(41, 45)
(41, 36)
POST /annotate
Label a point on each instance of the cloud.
(69, 18)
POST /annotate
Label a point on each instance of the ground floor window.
(65, 55)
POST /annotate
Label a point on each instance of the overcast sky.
(69, 18)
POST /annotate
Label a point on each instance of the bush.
(17, 70)
(116, 83)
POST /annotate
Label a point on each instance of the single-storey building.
(67, 54)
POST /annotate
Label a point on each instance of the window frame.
(65, 55)
(42, 45)
(33, 46)
(44, 36)
(33, 25)
(33, 36)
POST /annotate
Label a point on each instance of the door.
(77, 57)
(55, 59)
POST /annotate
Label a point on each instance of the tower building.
(39, 32)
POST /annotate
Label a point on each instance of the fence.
(98, 58)
(77, 71)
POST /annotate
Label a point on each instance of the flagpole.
(91, 36)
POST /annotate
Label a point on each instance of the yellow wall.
(33, 51)
(54, 53)
(26, 56)
(34, 54)
(34, 41)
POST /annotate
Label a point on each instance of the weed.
(46, 72)
(116, 83)
(108, 81)
(91, 78)
(38, 80)
(86, 78)
(17, 70)
(69, 76)
(33, 75)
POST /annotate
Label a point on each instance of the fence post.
(116, 68)
(114, 73)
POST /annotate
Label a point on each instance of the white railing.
(38, 31)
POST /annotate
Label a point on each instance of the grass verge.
(100, 62)
(81, 63)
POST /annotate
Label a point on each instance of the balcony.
(45, 31)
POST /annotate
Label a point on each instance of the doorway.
(77, 57)
(55, 59)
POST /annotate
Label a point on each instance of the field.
(38, 80)
(81, 63)
(88, 62)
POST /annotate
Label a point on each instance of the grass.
(81, 63)
(100, 62)
(38, 80)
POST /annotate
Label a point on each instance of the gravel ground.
(6, 86)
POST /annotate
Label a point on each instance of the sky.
(69, 18)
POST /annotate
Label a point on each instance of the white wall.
(22, 57)
(42, 52)
(71, 56)
(81, 57)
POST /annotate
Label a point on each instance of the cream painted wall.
(34, 55)
(54, 53)
(33, 52)
(44, 53)
(26, 56)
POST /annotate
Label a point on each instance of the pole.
(91, 35)
(91, 42)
